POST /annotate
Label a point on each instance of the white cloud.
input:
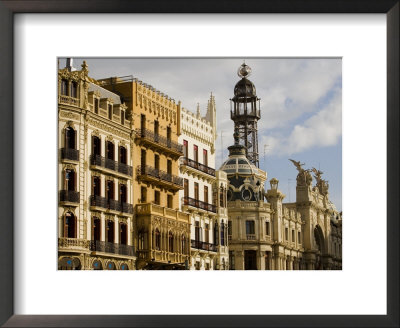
(322, 129)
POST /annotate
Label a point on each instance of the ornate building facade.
(138, 188)
(264, 232)
(204, 193)
(95, 214)
(163, 230)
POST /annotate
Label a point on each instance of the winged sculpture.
(317, 173)
(298, 165)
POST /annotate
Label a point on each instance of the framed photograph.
(62, 61)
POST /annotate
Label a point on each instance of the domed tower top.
(245, 112)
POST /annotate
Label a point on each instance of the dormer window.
(110, 111)
(122, 117)
(96, 105)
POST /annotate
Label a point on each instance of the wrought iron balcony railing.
(111, 204)
(156, 138)
(111, 164)
(199, 204)
(69, 196)
(203, 245)
(198, 166)
(107, 247)
(146, 170)
(69, 153)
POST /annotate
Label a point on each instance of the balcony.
(69, 153)
(188, 201)
(109, 164)
(250, 237)
(197, 166)
(151, 174)
(70, 196)
(202, 245)
(162, 143)
(62, 99)
(148, 209)
(73, 243)
(111, 204)
(106, 247)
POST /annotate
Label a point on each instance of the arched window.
(70, 138)
(110, 266)
(69, 225)
(110, 150)
(170, 242)
(97, 265)
(157, 239)
(221, 196)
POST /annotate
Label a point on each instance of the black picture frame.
(7, 10)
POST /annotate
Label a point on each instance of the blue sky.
(301, 106)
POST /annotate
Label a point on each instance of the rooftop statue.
(304, 177)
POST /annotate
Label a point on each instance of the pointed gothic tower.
(245, 112)
(211, 115)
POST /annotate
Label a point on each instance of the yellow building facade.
(163, 231)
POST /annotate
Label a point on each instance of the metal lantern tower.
(245, 112)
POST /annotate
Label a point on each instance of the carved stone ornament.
(69, 115)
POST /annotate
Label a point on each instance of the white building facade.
(204, 192)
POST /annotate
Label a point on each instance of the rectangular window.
(185, 188)
(122, 117)
(157, 197)
(207, 266)
(96, 105)
(267, 232)
(142, 123)
(197, 266)
(286, 233)
(157, 162)
(229, 228)
(156, 129)
(196, 191)
(169, 166)
(205, 194)
(206, 233)
(185, 148)
(143, 194)
(299, 237)
(231, 261)
(110, 112)
(169, 136)
(169, 201)
(143, 162)
(205, 157)
(293, 236)
(195, 153)
(197, 231)
(74, 90)
(250, 227)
